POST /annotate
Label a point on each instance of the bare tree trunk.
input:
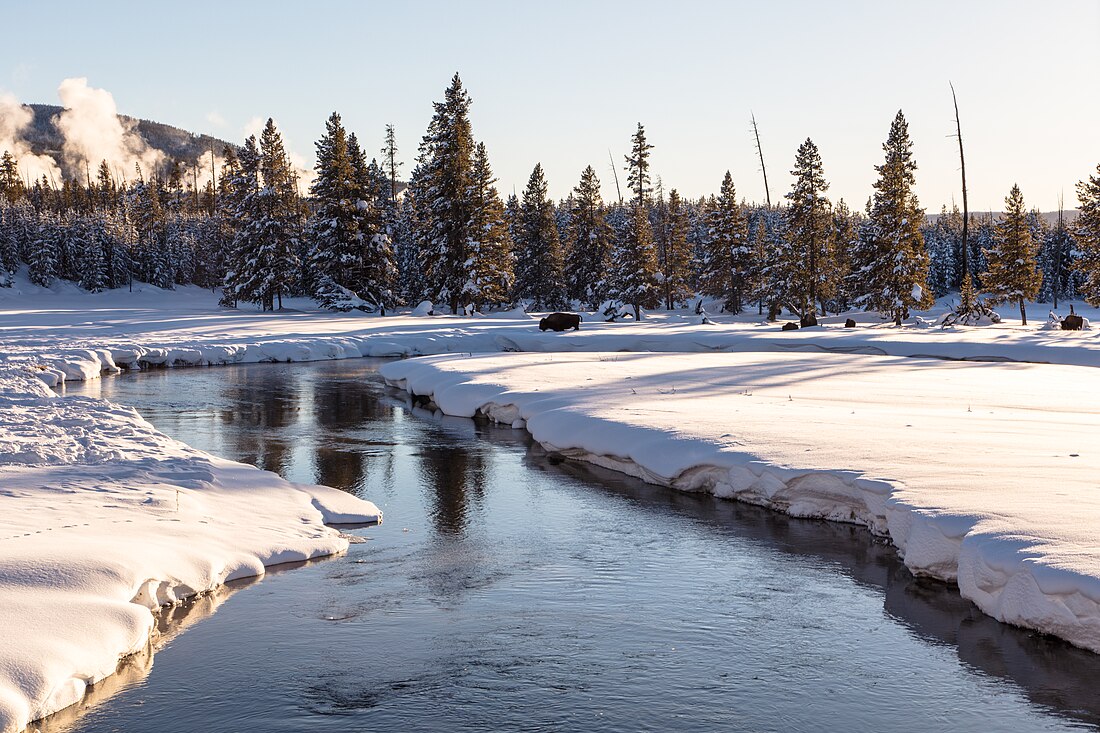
(760, 152)
(615, 171)
(962, 163)
(1023, 315)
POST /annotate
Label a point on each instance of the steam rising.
(93, 133)
(14, 119)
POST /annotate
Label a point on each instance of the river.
(508, 591)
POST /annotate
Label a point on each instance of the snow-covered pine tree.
(539, 275)
(9, 245)
(844, 246)
(240, 181)
(491, 245)
(725, 267)
(42, 254)
(943, 241)
(273, 226)
(441, 188)
(897, 273)
(590, 239)
(802, 272)
(634, 259)
(1012, 273)
(676, 269)
(1087, 231)
(350, 249)
(93, 275)
(1056, 262)
(378, 278)
(150, 263)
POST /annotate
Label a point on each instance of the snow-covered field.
(986, 474)
(104, 520)
(979, 471)
(70, 334)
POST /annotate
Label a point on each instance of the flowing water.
(508, 591)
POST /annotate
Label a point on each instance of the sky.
(564, 83)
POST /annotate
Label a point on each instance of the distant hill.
(176, 144)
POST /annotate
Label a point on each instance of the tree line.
(361, 238)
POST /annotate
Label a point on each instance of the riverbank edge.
(932, 543)
(36, 685)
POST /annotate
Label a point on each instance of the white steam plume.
(14, 119)
(93, 132)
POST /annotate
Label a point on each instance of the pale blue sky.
(563, 82)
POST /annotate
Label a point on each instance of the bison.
(560, 322)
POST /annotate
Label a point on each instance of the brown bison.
(560, 322)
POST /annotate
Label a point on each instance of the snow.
(965, 466)
(984, 474)
(65, 334)
(106, 520)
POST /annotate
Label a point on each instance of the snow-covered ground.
(104, 520)
(70, 334)
(987, 473)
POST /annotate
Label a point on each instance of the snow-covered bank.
(103, 519)
(981, 473)
(72, 335)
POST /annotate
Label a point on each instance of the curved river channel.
(509, 591)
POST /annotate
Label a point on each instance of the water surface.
(508, 592)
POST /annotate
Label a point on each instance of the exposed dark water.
(506, 593)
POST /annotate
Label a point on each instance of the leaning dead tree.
(760, 152)
(615, 172)
(962, 164)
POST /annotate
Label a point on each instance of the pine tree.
(491, 246)
(93, 276)
(150, 263)
(441, 186)
(538, 250)
(390, 163)
(1012, 273)
(590, 240)
(338, 229)
(897, 274)
(273, 213)
(240, 183)
(724, 271)
(676, 270)
(944, 243)
(1056, 261)
(1088, 237)
(11, 185)
(802, 271)
(634, 259)
(637, 166)
(42, 257)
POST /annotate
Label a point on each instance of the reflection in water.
(531, 595)
(1050, 671)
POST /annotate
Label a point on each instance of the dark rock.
(790, 326)
(850, 323)
(808, 320)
